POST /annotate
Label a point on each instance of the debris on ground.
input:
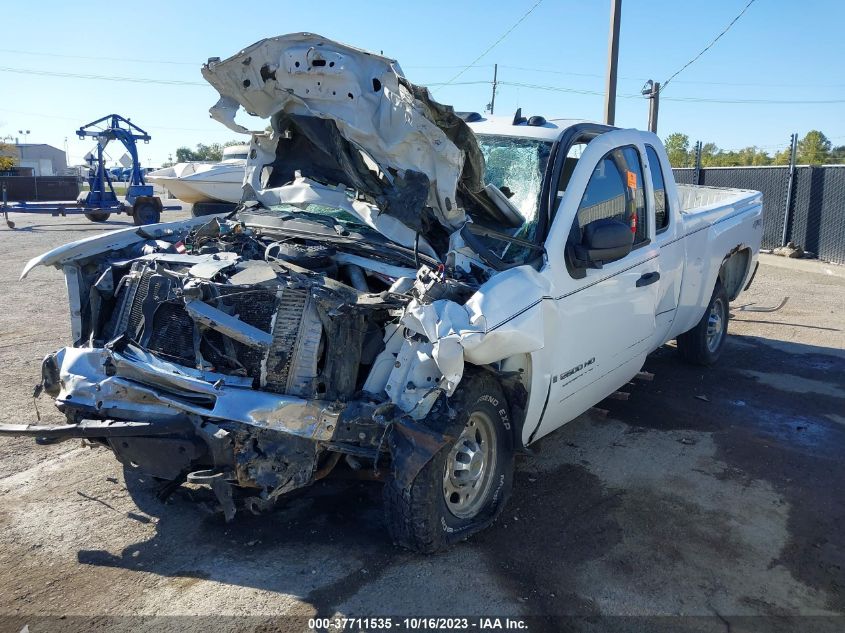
(790, 250)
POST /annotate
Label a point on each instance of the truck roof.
(504, 126)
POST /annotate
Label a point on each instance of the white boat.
(205, 182)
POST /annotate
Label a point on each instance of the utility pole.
(612, 62)
(651, 91)
(492, 103)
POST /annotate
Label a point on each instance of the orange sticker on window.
(632, 180)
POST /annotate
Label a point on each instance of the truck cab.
(609, 304)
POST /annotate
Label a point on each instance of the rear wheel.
(465, 486)
(702, 345)
(98, 217)
(146, 213)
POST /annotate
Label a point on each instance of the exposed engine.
(296, 316)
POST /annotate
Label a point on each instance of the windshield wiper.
(471, 232)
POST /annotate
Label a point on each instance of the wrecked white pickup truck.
(404, 291)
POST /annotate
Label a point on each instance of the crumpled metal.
(502, 319)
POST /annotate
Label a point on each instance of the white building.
(45, 160)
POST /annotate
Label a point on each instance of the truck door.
(668, 236)
(604, 318)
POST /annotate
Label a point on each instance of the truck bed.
(696, 198)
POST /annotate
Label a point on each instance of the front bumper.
(174, 422)
(135, 385)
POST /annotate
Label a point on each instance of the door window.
(661, 206)
(615, 190)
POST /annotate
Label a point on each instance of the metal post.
(794, 149)
(9, 223)
(697, 175)
(493, 98)
(612, 62)
(653, 105)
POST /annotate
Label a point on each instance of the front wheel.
(702, 345)
(97, 217)
(465, 486)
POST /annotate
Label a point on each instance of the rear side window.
(661, 204)
(615, 190)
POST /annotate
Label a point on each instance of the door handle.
(648, 279)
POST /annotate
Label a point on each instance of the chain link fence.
(816, 205)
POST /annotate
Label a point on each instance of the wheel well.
(514, 377)
(734, 270)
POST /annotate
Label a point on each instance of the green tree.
(751, 156)
(782, 157)
(814, 148)
(8, 156)
(711, 155)
(837, 155)
(677, 148)
(184, 154)
(210, 152)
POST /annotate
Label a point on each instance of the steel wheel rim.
(715, 325)
(469, 469)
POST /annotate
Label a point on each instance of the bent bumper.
(170, 420)
(135, 385)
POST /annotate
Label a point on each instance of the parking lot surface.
(712, 493)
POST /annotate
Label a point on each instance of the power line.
(519, 84)
(460, 83)
(141, 80)
(757, 85)
(710, 45)
(494, 44)
(757, 101)
(555, 72)
(76, 120)
(165, 82)
(99, 58)
(173, 82)
(685, 99)
(551, 71)
(452, 66)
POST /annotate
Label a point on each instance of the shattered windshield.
(516, 166)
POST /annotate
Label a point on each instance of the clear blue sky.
(779, 50)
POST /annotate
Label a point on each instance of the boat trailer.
(100, 201)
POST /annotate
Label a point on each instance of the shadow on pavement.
(330, 542)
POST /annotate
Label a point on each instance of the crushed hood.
(342, 101)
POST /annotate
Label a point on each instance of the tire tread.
(692, 344)
(410, 512)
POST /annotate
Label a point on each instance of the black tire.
(419, 517)
(98, 217)
(702, 345)
(146, 213)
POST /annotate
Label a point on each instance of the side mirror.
(604, 241)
